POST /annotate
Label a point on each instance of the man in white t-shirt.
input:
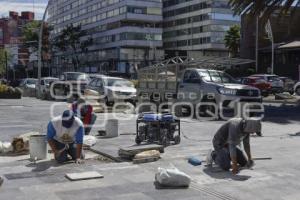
(65, 137)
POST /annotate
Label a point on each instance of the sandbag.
(89, 140)
(172, 178)
(147, 154)
(21, 143)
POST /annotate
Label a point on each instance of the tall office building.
(125, 33)
(196, 27)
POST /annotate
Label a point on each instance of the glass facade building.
(124, 33)
(196, 26)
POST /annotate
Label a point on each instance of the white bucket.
(37, 147)
(112, 128)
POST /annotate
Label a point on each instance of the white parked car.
(45, 87)
(297, 88)
(28, 86)
(277, 85)
(111, 89)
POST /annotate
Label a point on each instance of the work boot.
(259, 134)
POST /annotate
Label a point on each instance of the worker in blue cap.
(65, 137)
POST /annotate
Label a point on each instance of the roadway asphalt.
(30, 114)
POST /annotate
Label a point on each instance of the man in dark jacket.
(84, 111)
(227, 153)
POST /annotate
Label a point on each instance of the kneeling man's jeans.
(63, 156)
(223, 160)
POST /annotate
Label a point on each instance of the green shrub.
(7, 92)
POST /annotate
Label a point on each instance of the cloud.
(23, 5)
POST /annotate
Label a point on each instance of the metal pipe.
(256, 45)
(39, 53)
(6, 65)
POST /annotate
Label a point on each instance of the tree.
(3, 60)
(232, 40)
(31, 37)
(263, 8)
(70, 42)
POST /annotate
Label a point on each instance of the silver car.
(45, 87)
(111, 89)
(217, 87)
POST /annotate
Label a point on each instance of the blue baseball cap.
(67, 118)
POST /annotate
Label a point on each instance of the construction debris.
(21, 143)
(130, 152)
(146, 156)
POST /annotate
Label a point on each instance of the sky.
(38, 6)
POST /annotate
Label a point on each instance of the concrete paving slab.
(84, 176)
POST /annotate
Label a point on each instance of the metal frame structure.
(177, 64)
(205, 62)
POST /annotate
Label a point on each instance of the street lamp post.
(6, 65)
(269, 31)
(256, 44)
(39, 54)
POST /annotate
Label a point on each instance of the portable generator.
(157, 128)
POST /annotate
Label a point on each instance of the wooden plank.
(83, 176)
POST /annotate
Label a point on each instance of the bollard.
(112, 128)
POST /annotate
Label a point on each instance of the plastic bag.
(5, 147)
(172, 177)
(194, 161)
(89, 140)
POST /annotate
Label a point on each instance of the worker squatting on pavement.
(84, 111)
(65, 137)
(227, 153)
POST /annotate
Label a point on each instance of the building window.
(75, 4)
(116, 12)
(154, 11)
(110, 13)
(123, 10)
(220, 16)
(82, 12)
(136, 10)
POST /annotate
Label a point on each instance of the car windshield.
(76, 76)
(273, 78)
(47, 81)
(216, 76)
(119, 83)
(31, 81)
(259, 80)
